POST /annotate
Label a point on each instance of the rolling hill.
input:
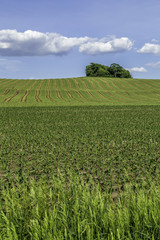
(79, 91)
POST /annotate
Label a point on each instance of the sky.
(59, 38)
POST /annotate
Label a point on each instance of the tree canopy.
(99, 70)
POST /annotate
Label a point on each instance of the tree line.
(99, 70)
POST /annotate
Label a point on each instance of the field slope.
(79, 91)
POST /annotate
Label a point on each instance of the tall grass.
(71, 209)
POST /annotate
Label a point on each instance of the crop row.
(80, 91)
(113, 145)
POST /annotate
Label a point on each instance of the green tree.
(99, 70)
(91, 70)
(115, 70)
(103, 72)
(126, 74)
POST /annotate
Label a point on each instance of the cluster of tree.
(115, 70)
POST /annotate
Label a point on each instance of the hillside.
(79, 91)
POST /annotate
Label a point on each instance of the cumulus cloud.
(30, 43)
(154, 40)
(138, 69)
(150, 48)
(105, 46)
(33, 43)
(154, 64)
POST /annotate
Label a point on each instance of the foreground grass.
(75, 210)
(80, 173)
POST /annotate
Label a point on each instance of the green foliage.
(125, 74)
(33, 211)
(115, 70)
(97, 70)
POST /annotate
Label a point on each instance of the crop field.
(79, 159)
(79, 91)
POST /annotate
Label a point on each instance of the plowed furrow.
(22, 87)
(122, 95)
(59, 95)
(123, 85)
(119, 87)
(139, 87)
(113, 97)
(48, 96)
(62, 84)
(85, 85)
(80, 94)
(155, 93)
(92, 84)
(127, 93)
(16, 92)
(69, 83)
(37, 96)
(69, 94)
(101, 86)
(151, 85)
(55, 84)
(91, 95)
(10, 98)
(115, 87)
(106, 84)
(101, 94)
(72, 97)
(9, 84)
(5, 92)
(141, 95)
(4, 82)
(148, 86)
(25, 96)
(38, 90)
(132, 86)
(77, 84)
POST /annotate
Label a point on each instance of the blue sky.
(58, 38)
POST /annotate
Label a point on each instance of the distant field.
(79, 91)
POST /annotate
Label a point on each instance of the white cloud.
(30, 43)
(154, 65)
(33, 43)
(154, 40)
(150, 48)
(138, 69)
(105, 46)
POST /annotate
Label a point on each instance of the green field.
(79, 91)
(79, 159)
